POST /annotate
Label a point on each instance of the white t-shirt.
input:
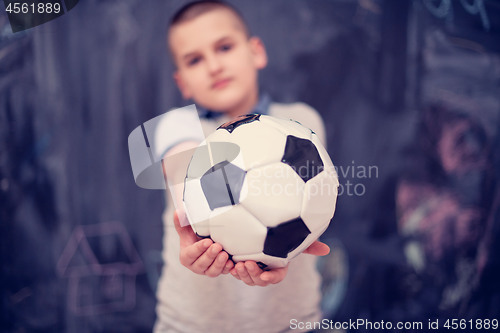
(191, 303)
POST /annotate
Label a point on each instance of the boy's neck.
(245, 107)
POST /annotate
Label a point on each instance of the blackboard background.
(72, 90)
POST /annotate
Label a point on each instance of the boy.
(216, 65)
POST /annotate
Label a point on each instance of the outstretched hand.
(251, 274)
(201, 256)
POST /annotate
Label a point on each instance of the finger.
(206, 259)
(234, 273)
(243, 274)
(218, 265)
(191, 253)
(274, 276)
(318, 249)
(183, 228)
(254, 272)
(227, 268)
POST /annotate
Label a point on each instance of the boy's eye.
(225, 47)
(193, 61)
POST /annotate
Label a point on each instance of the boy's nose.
(214, 65)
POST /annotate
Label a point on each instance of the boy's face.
(217, 63)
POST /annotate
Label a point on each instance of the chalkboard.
(410, 95)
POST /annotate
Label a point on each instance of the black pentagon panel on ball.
(230, 126)
(222, 184)
(302, 155)
(286, 237)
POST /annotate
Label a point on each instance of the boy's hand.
(200, 256)
(250, 273)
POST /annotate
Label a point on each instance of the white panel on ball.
(325, 157)
(218, 150)
(238, 231)
(197, 209)
(288, 127)
(202, 158)
(259, 145)
(223, 151)
(271, 262)
(320, 196)
(273, 193)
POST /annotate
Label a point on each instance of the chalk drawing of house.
(101, 264)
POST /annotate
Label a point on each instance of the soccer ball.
(263, 187)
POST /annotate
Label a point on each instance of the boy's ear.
(182, 86)
(259, 52)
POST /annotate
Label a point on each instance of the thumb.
(183, 227)
(318, 249)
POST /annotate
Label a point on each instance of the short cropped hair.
(194, 9)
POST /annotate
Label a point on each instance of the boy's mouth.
(222, 83)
